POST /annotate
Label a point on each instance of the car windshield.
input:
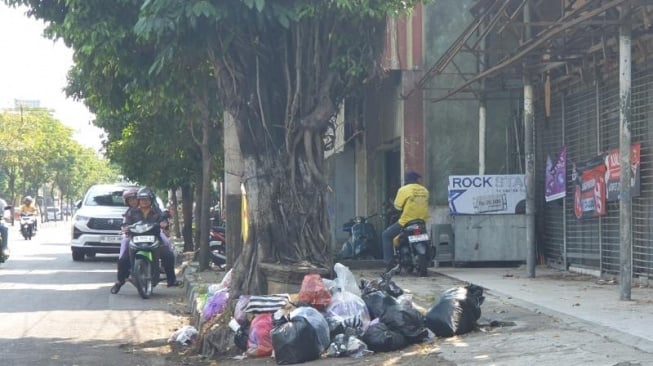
(105, 196)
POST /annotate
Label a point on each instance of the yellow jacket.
(413, 202)
(27, 209)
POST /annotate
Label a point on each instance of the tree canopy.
(282, 69)
(37, 150)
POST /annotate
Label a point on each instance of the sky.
(33, 67)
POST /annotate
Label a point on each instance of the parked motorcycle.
(27, 221)
(413, 248)
(144, 242)
(217, 246)
(362, 242)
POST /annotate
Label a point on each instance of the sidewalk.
(557, 318)
(581, 300)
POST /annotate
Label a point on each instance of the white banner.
(487, 194)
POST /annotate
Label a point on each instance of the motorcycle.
(144, 241)
(217, 245)
(413, 248)
(362, 242)
(4, 254)
(27, 221)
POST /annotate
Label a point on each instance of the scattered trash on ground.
(186, 335)
(339, 318)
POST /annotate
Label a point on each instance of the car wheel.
(90, 254)
(78, 254)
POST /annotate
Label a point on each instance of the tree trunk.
(288, 224)
(187, 211)
(205, 222)
(196, 212)
(175, 207)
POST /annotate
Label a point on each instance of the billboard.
(487, 194)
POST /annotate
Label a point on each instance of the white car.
(53, 214)
(97, 221)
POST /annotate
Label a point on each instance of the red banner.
(589, 190)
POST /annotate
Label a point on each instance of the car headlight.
(81, 218)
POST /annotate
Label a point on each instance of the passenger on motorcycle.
(129, 196)
(28, 207)
(412, 200)
(146, 211)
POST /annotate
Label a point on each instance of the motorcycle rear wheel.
(142, 275)
(422, 264)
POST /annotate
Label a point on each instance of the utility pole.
(625, 201)
(529, 156)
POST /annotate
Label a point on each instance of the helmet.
(129, 193)
(27, 200)
(145, 192)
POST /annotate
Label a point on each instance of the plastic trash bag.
(456, 312)
(314, 292)
(186, 335)
(347, 346)
(295, 342)
(259, 343)
(347, 310)
(224, 284)
(377, 302)
(317, 321)
(239, 310)
(345, 279)
(383, 283)
(406, 320)
(215, 305)
(379, 338)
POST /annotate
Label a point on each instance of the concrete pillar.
(413, 144)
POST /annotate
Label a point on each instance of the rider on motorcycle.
(28, 208)
(412, 200)
(147, 211)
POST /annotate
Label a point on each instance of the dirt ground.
(507, 335)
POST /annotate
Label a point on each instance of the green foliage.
(39, 149)
(147, 108)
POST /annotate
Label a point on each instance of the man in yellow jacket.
(28, 207)
(412, 200)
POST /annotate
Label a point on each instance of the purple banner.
(554, 176)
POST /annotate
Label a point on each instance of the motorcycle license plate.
(144, 239)
(418, 238)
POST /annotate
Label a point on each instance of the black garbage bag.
(377, 302)
(381, 339)
(295, 342)
(240, 338)
(456, 312)
(383, 283)
(405, 319)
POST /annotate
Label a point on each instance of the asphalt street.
(58, 312)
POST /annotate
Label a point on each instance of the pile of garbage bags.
(342, 318)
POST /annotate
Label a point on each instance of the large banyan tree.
(283, 69)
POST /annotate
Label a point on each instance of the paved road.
(58, 312)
